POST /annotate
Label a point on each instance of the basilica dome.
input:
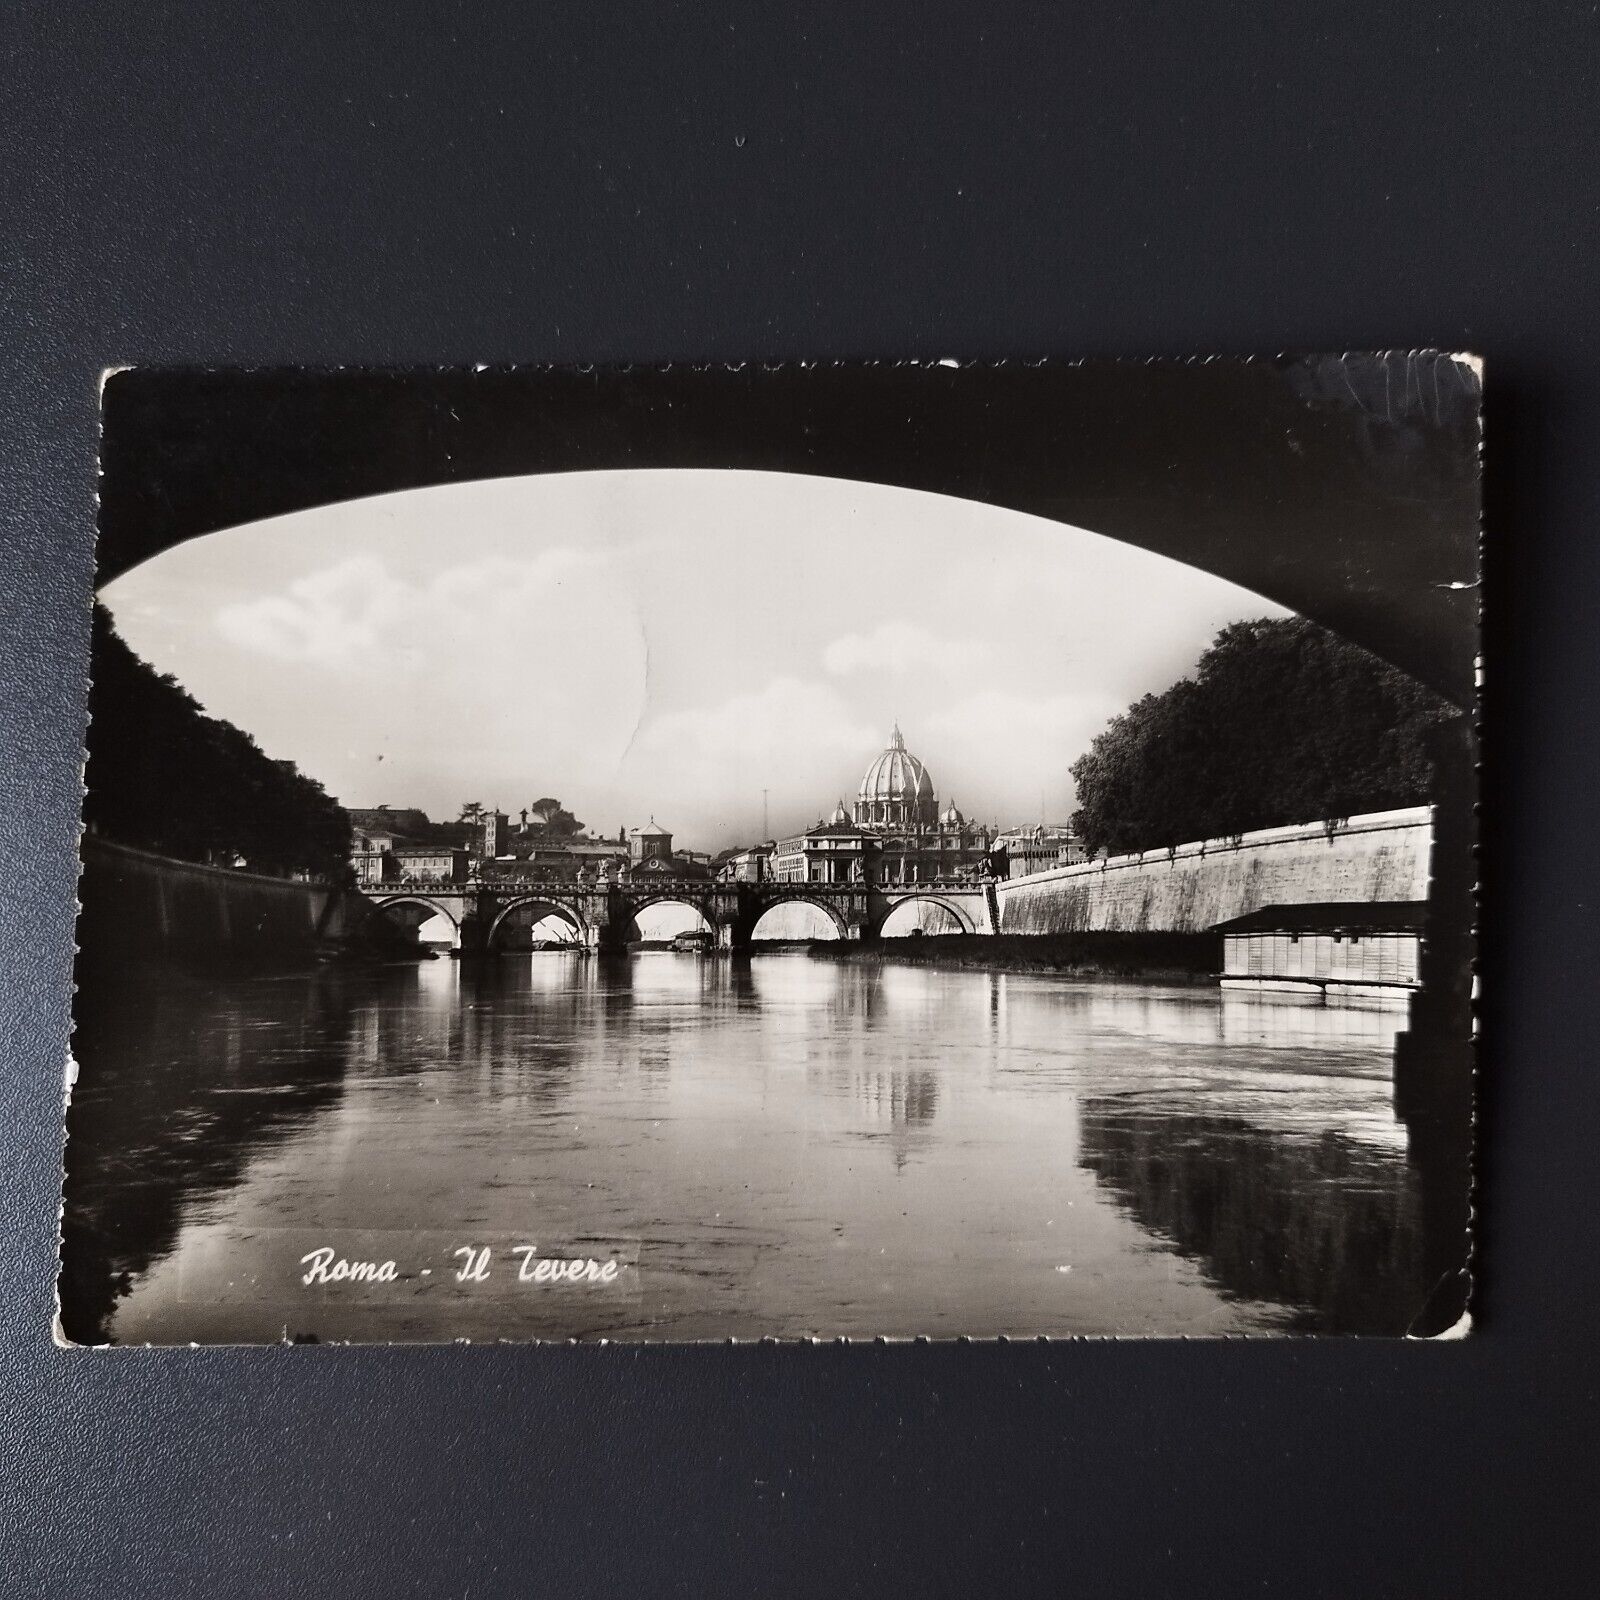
(897, 791)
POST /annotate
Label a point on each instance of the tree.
(1282, 722)
(554, 818)
(163, 775)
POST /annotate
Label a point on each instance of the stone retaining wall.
(1381, 856)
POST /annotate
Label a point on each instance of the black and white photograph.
(798, 801)
(934, 851)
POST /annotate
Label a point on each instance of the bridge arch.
(700, 906)
(773, 901)
(545, 903)
(389, 904)
(962, 917)
(674, 897)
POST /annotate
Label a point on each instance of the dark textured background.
(401, 183)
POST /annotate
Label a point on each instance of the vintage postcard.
(920, 850)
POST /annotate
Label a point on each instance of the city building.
(834, 851)
(1332, 952)
(390, 843)
(497, 839)
(650, 854)
(554, 862)
(649, 844)
(430, 863)
(896, 794)
(645, 851)
(1039, 848)
(542, 856)
(370, 857)
(750, 865)
(895, 833)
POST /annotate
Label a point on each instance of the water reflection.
(791, 1146)
(179, 1086)
(1316, 1222)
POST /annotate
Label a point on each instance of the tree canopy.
(163, 775)
(554, 818)
(1282, 722)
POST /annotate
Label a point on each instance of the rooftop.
(832, 830)
(1331, 916)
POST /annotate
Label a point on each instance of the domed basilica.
(896, 833)
(897, 792)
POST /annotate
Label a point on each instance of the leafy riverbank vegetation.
(164, 776)
(1282, 722)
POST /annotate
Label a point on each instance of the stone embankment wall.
(141, 909)
(1381, 856)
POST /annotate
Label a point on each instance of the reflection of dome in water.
(897, 791)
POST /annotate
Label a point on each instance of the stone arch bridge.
(602, 914)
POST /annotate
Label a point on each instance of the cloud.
(902, 647)
(495, 677)
(358, 615)
(335, 617)
(1028, 740)
(787, 736)
(1010, 722)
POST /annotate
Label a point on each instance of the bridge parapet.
(602, 911)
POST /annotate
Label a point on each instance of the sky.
(669, 644)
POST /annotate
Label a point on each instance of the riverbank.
(1170, 957)
(141, 912)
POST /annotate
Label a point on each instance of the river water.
(785, 1146)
